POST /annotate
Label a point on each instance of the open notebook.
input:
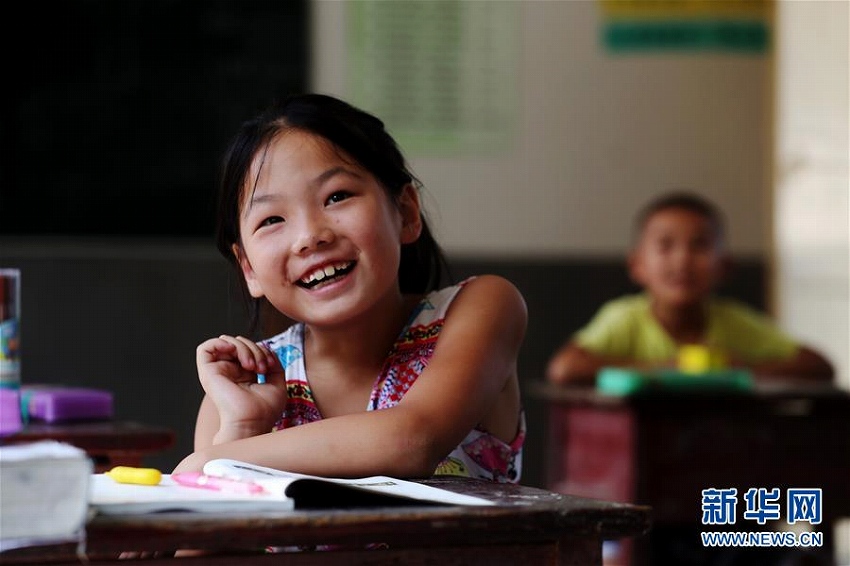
(282, 491)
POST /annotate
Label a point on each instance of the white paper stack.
(43, 493)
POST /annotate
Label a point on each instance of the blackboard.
(120, 109)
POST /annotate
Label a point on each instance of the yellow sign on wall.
(711, 9)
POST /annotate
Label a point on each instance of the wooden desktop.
(526, 526)
(108, 443)
(662, 448)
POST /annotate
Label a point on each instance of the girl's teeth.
(320, 274)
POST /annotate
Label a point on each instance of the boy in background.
(679, 256)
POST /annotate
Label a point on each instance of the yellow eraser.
(140, 476)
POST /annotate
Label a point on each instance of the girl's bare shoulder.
(492, 295)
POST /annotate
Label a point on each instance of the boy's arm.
(806, 364)
(769, 352)
(573, 364)
(606, 340)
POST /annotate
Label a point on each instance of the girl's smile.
(322, 276)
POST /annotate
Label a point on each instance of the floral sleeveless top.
(480, 455)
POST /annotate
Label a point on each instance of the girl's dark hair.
(359, 135)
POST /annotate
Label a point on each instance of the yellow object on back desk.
(624, 381)
(698, 358)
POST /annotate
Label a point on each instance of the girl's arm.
(473, 370)
(206, 425)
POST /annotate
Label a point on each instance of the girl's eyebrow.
(320, 180)
(333, 172)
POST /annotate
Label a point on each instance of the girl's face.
(678, 258)
(320, 237)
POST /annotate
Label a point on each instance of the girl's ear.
(411, 214)
(247, 272)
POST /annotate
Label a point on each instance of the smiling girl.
(383, 372)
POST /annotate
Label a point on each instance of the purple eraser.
(51, 403)
(10, 411)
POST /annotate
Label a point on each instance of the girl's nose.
(312, 234)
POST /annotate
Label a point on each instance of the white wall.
(813, 184)
(598, 135)
(812, 180)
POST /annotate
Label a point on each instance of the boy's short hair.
(686, 200)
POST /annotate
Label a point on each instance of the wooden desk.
(663, 448)
(527, 526)
(108, 443)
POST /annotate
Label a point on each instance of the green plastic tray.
(622, 381)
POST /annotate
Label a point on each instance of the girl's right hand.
(228, 368)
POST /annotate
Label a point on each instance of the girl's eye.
(338, 196)
(271, 220)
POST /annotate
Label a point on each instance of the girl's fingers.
(266, 359)
(257, 352)
(275, 375)
(245, 353)
(272, 359)
(215, 349)
(251, 356)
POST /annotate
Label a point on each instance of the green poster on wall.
(686, 25)
(442, 75)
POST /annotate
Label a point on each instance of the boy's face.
(678, 258)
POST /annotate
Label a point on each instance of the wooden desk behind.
(527, 526)
(108, 443)
(663, 448)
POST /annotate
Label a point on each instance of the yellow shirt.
(625, 328)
